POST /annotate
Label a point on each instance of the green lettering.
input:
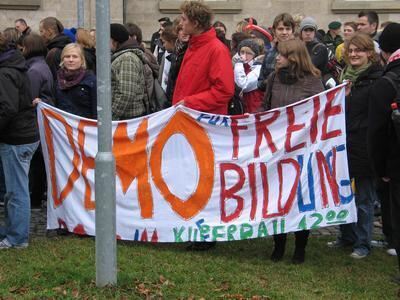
(216, 234)
(246, 231)
(231, 230)
(204, 230)
(178, 234)
(262, 230)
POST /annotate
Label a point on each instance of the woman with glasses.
(361, 72)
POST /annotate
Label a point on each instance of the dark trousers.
(394, 191)
(383, 191)
(37, 179)
(301, 239)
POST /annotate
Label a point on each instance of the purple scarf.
(69, 78)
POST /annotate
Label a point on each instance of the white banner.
(184, 175)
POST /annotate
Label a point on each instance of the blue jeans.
(15, 161)
(360, 234)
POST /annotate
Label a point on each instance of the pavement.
(38, 225)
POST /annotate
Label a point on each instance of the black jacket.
(90, 57)
(383, 145)
(55, 47)
(42, 83)
(357, 122)
(17, 115)
(81, 99)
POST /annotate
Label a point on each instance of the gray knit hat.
(250, 43)
(308, 22)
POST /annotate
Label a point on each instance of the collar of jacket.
(199, 40)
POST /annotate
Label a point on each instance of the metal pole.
(106, 244)
(81, 13)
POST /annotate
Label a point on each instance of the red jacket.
(205, 80)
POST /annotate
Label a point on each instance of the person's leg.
(300, 246)
(15, 160)
(365, 197)
(37, 179)
(384, 195)
(394, 186)
(279, 247)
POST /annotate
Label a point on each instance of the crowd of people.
(193, 62)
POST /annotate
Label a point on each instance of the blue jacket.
(81, 99)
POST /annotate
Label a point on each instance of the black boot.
(279, 247)
(300, 248)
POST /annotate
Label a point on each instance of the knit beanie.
(334, 25)
(119, 33)
(250, 43)
(308, 22)
(389, 41)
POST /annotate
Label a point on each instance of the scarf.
(69, 78)
(351, 74)
(285, 77)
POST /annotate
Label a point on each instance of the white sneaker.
(5, 244)
(358, 255)
(391, 252)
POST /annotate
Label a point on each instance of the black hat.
(250, 43)
(119, 33)
(389, 41)
(334, 25)
(164, 19)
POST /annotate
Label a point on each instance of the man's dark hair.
(169, 34)
(164, 19)
(53, 24)
(22, 21)
(371, 15)
(286, 19)
(3, 43)
(134, 30)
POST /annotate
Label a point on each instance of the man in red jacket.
(205, 81)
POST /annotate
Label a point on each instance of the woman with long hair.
(294, 78)
(76, 86)
(361, 72)
(88, 44)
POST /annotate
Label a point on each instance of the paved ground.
(38, 225)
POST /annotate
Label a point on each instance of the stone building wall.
(146, 12)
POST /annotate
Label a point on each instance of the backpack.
(155, 94)
(156, 98)
(394, 80)
(333, 66)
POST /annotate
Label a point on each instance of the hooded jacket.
(55, 47)
(205, 80)
(17, 114)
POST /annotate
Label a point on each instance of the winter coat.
(90, 58)
(17, 114)
(42, 83)
(246, 79)
(284, 93)
(205, 80)
(332, 42)
(176, 64)
(81, 99)
(383, 144)
(55, 47)
(128, 86)
(357, 122)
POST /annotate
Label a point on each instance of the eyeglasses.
(356, 50)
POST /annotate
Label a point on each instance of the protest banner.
(184, 175)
